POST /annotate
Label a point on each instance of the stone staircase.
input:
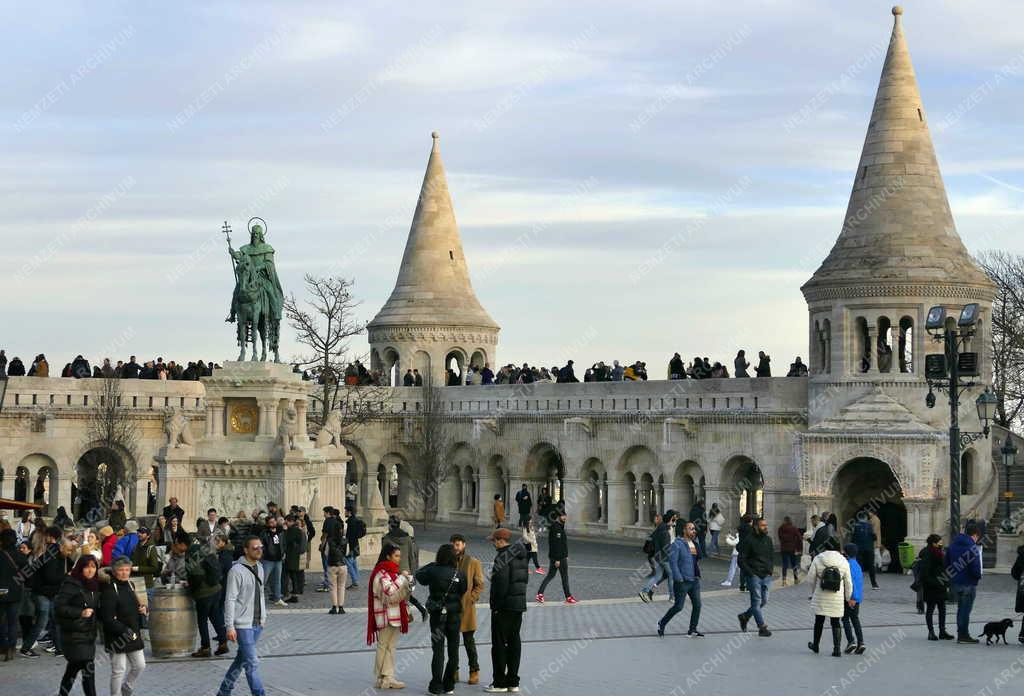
(1016, 485)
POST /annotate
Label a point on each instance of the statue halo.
(249, 225)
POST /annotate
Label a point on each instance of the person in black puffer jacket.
(444, 604)
(510, 575)
(11, 564)
(1017, 573)
(75, 608)
(122, 627)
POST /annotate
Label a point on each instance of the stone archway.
(744, 483)
(41, 473)
(455, 367)
(593, 505)
(866, 483)
(102, 475)
(545, 469)
(688, 481)
(22, 484)
(637, 468)
(356, 477)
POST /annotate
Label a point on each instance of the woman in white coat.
(830, 577)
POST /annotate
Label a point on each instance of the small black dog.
(996, 629)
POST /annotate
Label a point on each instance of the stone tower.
(433, 318)
(870, 436)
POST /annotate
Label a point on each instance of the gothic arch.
(865, 450)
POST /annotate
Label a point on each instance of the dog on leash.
(995, 629)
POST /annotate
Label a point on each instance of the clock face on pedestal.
(243, 418)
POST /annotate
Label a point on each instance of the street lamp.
(943, 372)
(1009, 453)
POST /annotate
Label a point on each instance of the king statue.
(258, 299)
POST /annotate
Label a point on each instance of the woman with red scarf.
(388, 614)
(75, 606)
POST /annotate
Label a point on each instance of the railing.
(65, 393)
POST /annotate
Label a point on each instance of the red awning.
(6, 504)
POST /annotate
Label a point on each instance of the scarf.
(391, 570)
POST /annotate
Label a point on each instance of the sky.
(629, 181)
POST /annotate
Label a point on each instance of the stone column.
(218, 419)
(644, 504)
(873, 348)
(671, 501)
(575, 501)
(301, 406)
(485, 494)
(619, 506)
(268, 418)
(7, 485)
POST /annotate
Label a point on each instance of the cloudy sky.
(629, 180)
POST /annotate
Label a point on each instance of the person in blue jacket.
(684, 563)
(851, 612)
(963, 567)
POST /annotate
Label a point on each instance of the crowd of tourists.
(80, 368)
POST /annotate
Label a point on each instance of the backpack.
(831, 579)
(360, 528)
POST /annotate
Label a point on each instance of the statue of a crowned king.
(258, 299)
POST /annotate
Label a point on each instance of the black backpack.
(831, 579)
(360, 528)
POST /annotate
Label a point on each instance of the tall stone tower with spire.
(433, 319)
(871, 441)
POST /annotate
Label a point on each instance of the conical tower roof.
(898, 229)
(433, 287)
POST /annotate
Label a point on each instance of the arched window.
(883, 348)
(826, 332)
(862, 346)
(906, 345)
(967, 473)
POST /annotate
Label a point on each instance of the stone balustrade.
(64, 393)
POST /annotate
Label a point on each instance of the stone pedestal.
(1006, 551)
(247, 456)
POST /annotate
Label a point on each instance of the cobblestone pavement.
(585, 648)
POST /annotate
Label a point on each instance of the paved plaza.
(610, 639)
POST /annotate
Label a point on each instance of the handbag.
(432, 605)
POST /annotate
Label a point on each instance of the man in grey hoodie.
(245, 614)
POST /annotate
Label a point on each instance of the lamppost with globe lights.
(944, 372)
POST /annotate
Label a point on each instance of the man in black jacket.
(661, 539)
(294, 546)
(510, 575)
(756, 558)
(47, 573)
(273, 556)
(525, 502)
(558, 553)
(355, 529)
(172, 509)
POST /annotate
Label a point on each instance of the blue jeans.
(682, 589)
(272, 573)
(964, 595)
(44, 613)
(247, 659)
(714, 541)
(353, 571)
(758, 588)
(326, 579)
(661, 573)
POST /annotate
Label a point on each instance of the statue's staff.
(226, 229)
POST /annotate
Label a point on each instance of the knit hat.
(106, 531)
(131, 526)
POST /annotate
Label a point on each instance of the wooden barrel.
(172, 622)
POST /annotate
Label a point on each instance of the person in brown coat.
(791, 543)
(499, 510)
(471, 569)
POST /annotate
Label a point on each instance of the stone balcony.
(65, 394)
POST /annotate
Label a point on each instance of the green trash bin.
(906, 551)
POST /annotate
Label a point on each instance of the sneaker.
(850, 648)
(512, 689)
(333, 611)
(281, 603)
(30, 653)
(52, 650)
(932, 636)
(539, 598)
(571, 600)
(967, 640)
(860, 650)
(744, 620)
(726, 584)
(292, 600)
(323, 589)
(812, 647)
(541, 571)
(644, 598)
(694, 634)
(341, 610)
(492, 689)
(763, 632)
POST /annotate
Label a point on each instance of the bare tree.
(112, 437)
(1007, 272)
(324, 322)
(430, 437)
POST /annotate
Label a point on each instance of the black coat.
(170, 512)
(337, 548)
(294, 546)
(11, 564)
(273, 544)
(78, 634)
(48, 571)
(446, 587)
(558, 545)
(932, 575)
(756, 555)
(1018, 572)
(509, 577)
(119, 611)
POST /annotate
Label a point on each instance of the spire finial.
(437, 139)
(897, 11)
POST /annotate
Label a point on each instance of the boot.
(222, 648)
(201, 652)
(837, 639)
(474, 678)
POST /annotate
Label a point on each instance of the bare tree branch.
(430, 437)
